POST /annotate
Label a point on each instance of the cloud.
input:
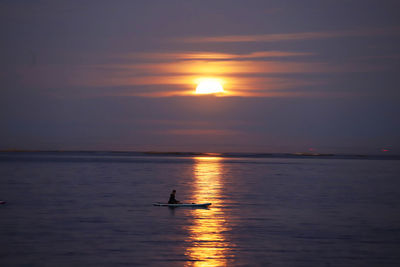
(239, 77)
(203, 132)
(280, 37)
(215, 56)
(259, 73)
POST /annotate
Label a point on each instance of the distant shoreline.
(204, 154)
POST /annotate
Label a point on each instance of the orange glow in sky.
(221, 74)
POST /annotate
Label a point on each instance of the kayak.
(182, 204)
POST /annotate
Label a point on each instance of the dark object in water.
(182, 204)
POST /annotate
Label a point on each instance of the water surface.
(82, 209)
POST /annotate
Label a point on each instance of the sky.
(298, 76)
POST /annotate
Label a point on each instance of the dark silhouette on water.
(172, 199)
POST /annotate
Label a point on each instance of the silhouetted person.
(172, 199)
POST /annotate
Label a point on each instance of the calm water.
(95, 210)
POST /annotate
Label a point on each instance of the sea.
(96, 209)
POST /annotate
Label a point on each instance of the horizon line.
(197, 153)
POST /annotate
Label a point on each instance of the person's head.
(173, 191)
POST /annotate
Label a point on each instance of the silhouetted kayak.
(182, 204)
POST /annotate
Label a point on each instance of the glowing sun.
(209, 86)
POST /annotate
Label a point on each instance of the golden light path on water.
(209, 245)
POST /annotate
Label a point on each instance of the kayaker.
(172, 199)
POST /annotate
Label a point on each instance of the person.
(172, 199)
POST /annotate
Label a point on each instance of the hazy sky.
(120, 75)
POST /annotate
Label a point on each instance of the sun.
(209, 86)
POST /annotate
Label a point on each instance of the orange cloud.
(240, 78)
(289, 36)
(203, 132)
(260, 73)
(214, 68)
(216, 56)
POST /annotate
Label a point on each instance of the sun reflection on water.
(208, 242)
